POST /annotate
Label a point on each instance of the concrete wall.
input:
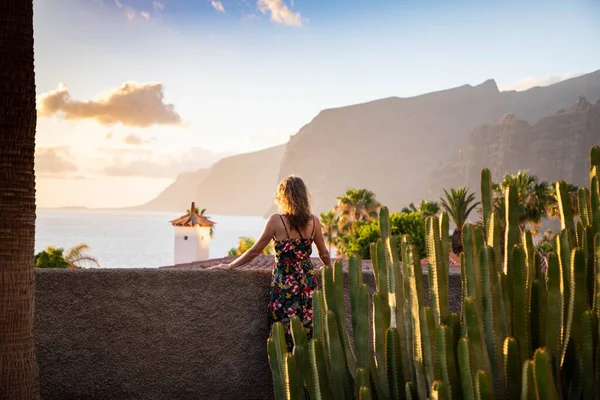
(156, 333)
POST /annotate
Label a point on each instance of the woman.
(293, 279)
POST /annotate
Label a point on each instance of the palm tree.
(77, 255)
(536, 199)
(459, 204)
(201, 213)
(426, 208)
(356, 205)
(19, 378)
(329, 223)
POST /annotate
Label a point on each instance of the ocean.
(133, 239)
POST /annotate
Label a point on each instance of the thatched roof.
(192, 219)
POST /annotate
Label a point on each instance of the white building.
(192, 237)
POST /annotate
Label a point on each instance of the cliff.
(392, 146)
(554, 148)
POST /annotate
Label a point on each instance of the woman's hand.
(219, 267)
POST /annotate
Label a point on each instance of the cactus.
(545, 382)
(393, 364)
(528, 382)
(494, 335)
(521, 304)
(486, 197)
(588, 348)
(439, 267)
(319, 370)
(595, 203)
(512, 367)
(555, 317)
(523, 332)
(439, 391)
(564, 206)
(511, 238)
(577, 301)
(595, 162)
(483, 387)
(277, 347)
(448, 361)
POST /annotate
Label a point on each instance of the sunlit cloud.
(135, 140)
(217, 5)
(133, 104)
(158, 5)
(145, 15)
(533, 81)
(280, 12)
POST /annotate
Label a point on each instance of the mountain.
(391, 146)
(554, 149)
(176, 197)
(243, 184)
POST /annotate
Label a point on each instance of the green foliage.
(426, 208)
(52, 257)
(245, 243)
(358, 241)
(76, 257)
(525, 331)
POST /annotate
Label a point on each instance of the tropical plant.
(459, 204)
(426, 208)
(202, 214)
(523, 332)
(19, 378)
(356, 205)
(535, 199)
(54, 257)
(76, 256)
(245, 243)
(358, 241)
(329, 223)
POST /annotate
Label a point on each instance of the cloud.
(53, 161)
(217, 5)
(158, 6)
(134, 140)
(533, 81)
(133, 104)
(145, 15)
(280, 12)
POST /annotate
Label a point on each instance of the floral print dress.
(293, 282)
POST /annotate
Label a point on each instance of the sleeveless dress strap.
(312, 235)
(284, 226)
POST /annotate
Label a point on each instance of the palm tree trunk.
(18, 366)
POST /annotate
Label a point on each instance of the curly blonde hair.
(293, 201)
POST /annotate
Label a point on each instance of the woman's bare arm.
(320, 243)
(258, 246)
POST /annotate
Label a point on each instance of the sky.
(132, 92)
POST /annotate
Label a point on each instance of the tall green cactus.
(439, 267)
(595, 162)
(487, 198)
(525, 331)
